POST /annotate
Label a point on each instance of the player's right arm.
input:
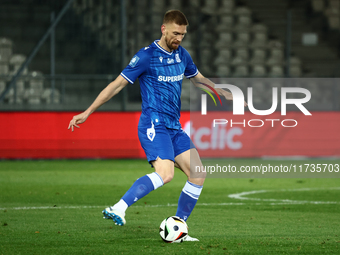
(111, 90)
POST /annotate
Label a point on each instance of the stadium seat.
(334, 4)
(157, 6)
(276, 57)
(334, 22)
(223, 71)
(260, 41)
(207, 39)
(333, 15)
(194, 4)
(141, 21)
(92, 4)
(16, 62)
(242, 40)
(206, 59)
(295, 71)
(186, 43)
(226, 7)
(242, 11)
(258, 71)
(241, 71)
(238, 60)
(243, 23)
(109, 37)
(210, 7)
(36, 87)
(4, 68)
(318, 5)
(46, 96)
(17, 94)
(156, 21)
(110, 5)
(259, 57)
(242, 52)
(5, 49)
(224, 41)
(225, 24)
(2, 85)
(207, 70)
(94, 18)
(276, 71)
(79, 6)
(88, 19)
(206, 55)
(274, 44)
(100, 21)
(259, 28)
(223, 57)
(175, 4)
(295, 61)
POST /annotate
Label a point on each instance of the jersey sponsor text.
(170, 78)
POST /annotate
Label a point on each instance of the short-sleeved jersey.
(160, 75)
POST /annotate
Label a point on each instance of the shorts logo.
(150, 132)
(134, 61)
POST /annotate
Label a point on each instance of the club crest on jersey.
(161, 59)
(150, 132)
(134, 61)
(170, 61)
(177, 58)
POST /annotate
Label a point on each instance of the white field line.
(240, 196)
(104, 206)
(243, 196)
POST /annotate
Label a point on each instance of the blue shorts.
(162, 142)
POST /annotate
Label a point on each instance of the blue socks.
(187, 200)
(142, 187)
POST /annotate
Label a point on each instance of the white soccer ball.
(173, 228)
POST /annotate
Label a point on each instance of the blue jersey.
(160, 75)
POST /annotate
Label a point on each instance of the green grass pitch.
(54, 207)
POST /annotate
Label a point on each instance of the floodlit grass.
(54, 207)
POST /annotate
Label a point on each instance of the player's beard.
(172, 45)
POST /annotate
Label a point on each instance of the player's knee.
(197, 177)
(165, 169)
(167, 176)
(197, 181)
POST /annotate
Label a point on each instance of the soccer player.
(160, 68)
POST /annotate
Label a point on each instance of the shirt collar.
(159, 47)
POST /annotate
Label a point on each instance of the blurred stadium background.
(56, 56)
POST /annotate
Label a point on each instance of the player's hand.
(76, 120)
